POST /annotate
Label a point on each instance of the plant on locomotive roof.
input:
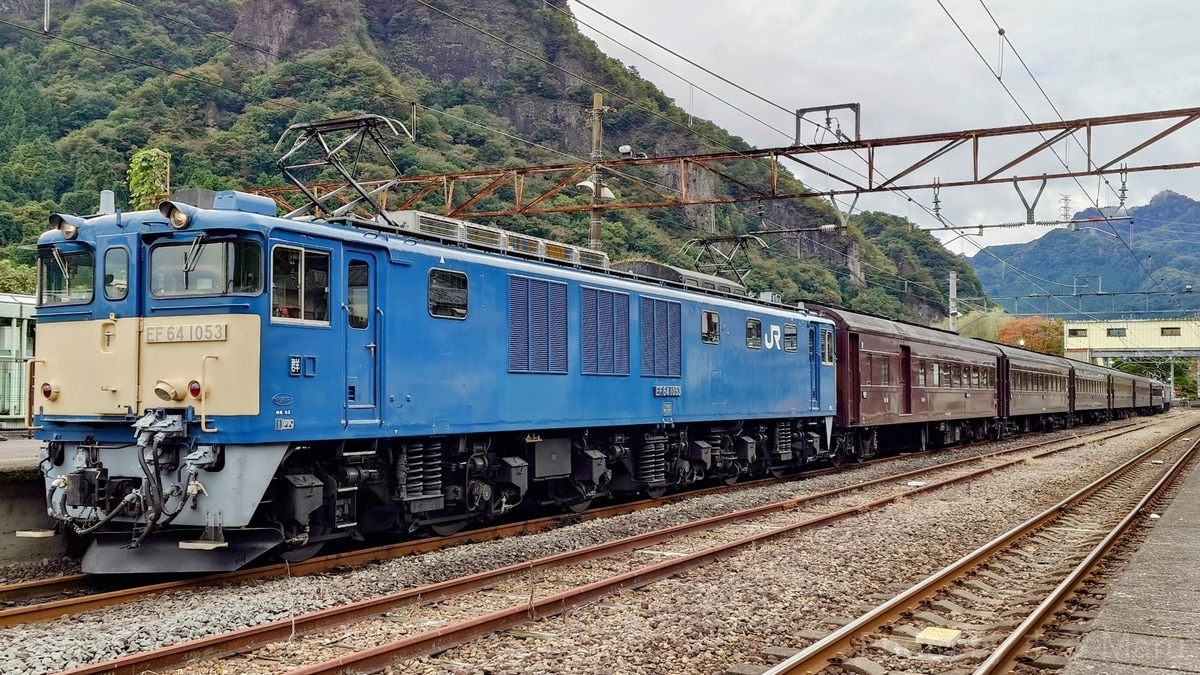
(1035, 334)
(149, 178)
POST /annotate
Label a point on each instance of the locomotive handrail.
(173, 308)
(30, 393)
(204, 393)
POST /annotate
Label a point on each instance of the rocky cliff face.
(277, 29)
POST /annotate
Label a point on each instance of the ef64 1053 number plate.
(188, 332)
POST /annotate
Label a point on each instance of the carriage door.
(855, 393)
(905, 380)
(362, 340)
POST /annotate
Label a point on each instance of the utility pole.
(597, 110)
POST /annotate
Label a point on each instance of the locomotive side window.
(200, 267)
(791, 339)
(447, 294)
(299, 284)
(827, 346)
(66, 278)
(116, 273)
(754, 333)
(358, 294)
(710, 327)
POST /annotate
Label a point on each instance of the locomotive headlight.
(169, 390)
(179, 215)
(68, 225)
(50, 391)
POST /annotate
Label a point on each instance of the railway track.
(46, 599)
(1017, 599)
(430, 619)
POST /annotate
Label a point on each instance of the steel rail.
(56, 608)
(433, 641)
(1005, 656)
(838, 644)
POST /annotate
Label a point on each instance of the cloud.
(913, 72)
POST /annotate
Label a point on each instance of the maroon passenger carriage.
(1090, 401)
(906, 386)
(1034, 390)
(901, 385)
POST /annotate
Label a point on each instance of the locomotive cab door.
(363, 319)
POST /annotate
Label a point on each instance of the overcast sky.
(913, 72)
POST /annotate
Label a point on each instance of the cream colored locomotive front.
(122, 366)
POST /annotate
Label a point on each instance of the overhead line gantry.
(532, 190)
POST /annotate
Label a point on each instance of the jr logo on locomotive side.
(774, 338)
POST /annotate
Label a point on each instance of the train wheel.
(656, 493)
(580, 507)
(731, 480)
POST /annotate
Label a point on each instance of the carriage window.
(447, 294)
(921, 373)
(975, 377)
(753, 333)
(201, 267)
(116, 273)
(885, 376)
(870, 369)
(710, 327)
(358, 294)
(791, 339)
(66, 278)
(827, 346)
(299, 284)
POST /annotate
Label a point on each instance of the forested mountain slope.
(499, 83)
(1140, 260)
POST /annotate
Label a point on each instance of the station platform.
(19, 453)
(23, 503)
(1150, 622)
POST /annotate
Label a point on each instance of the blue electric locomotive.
(215, 383)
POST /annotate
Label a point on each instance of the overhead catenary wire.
(293, 108)
(999, 79)
(1029, 118)
(664, 68)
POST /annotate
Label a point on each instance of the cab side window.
(116, 273)
(299, 285)
(358, 294)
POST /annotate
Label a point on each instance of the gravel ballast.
(699, 622)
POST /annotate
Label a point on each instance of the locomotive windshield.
(201, 267)
(66, 277)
